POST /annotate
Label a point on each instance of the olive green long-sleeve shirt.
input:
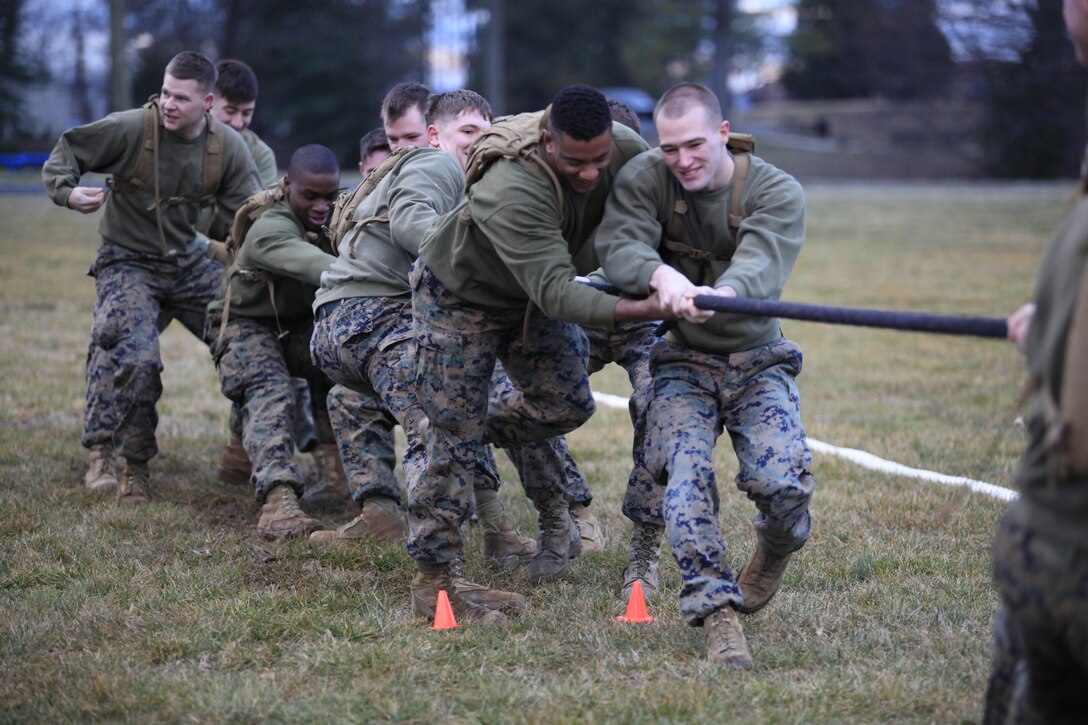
(374, 260)
(760, 255)
(1055, 504)
(512, 241)
(110, 146)
(277, 246)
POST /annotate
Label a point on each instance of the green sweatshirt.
(110, 146)
(1057, 507)
(763, 250)
(511, 242)
(264, 158)
(277, 245)
(421, 187)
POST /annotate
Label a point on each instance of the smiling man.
(168, 161)
(740, 230)
(264, 333)
(497, 282)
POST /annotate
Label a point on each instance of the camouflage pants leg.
(458, 345)
(1043, 585)
(629, 346)
(753, 396)
(365, 344)
(546, 468)
(100, 415)
(364, 436)
(132, 290)
(253, 373)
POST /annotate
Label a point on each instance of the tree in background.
(15, 73)
(1036, 99)
(323, 66)
(649, 44)
(867, 48)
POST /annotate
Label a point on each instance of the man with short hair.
(367, 289)
(235, 104)
(404, 115)
(373, 149)
(264, 321)
(152, 265)
(732, 372)
(496, 282)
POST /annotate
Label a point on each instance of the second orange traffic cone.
(636, 607)
(443, 612)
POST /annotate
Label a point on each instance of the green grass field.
(177, 611)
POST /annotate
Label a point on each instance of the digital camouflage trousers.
(135, 293)
(752, 395)
(256, 368)
(458, 345)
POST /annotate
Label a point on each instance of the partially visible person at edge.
(373, 149)
(261, 324)
(1040, 550)
(235, 104)
(734, 372)
(152, 265)
(495, 282)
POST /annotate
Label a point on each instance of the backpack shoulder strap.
(213, 157)
(343, 220)
(742, 162)
(139, 174)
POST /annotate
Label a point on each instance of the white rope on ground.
(868, 460)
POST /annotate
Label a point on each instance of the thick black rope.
(889, 319)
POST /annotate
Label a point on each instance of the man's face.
(183, 106)
(311, 197)
(694, 149)
(455, 135)
(372, 161)
(579, 163)
(408, 130)
(235, 115)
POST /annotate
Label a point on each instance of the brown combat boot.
(330, 490)
(382, 519)
(504, 546)
(725, 643)
(643, 554)
(100, 475)
(281, 517)
(432, 578)
(589, 529)
(760, 578)
(506, 602)
(234, 466)
(135, 485)
(558, 543)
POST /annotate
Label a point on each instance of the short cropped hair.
(374, 140)
(403, 97)
(681, 98)
(581, 112)
(443, 106)
(188, 65)
(312, 159)
(237, 82)
(622, 113)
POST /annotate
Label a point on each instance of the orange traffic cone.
(443, 612)
(636, 607)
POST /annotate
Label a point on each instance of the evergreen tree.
(866, 48)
